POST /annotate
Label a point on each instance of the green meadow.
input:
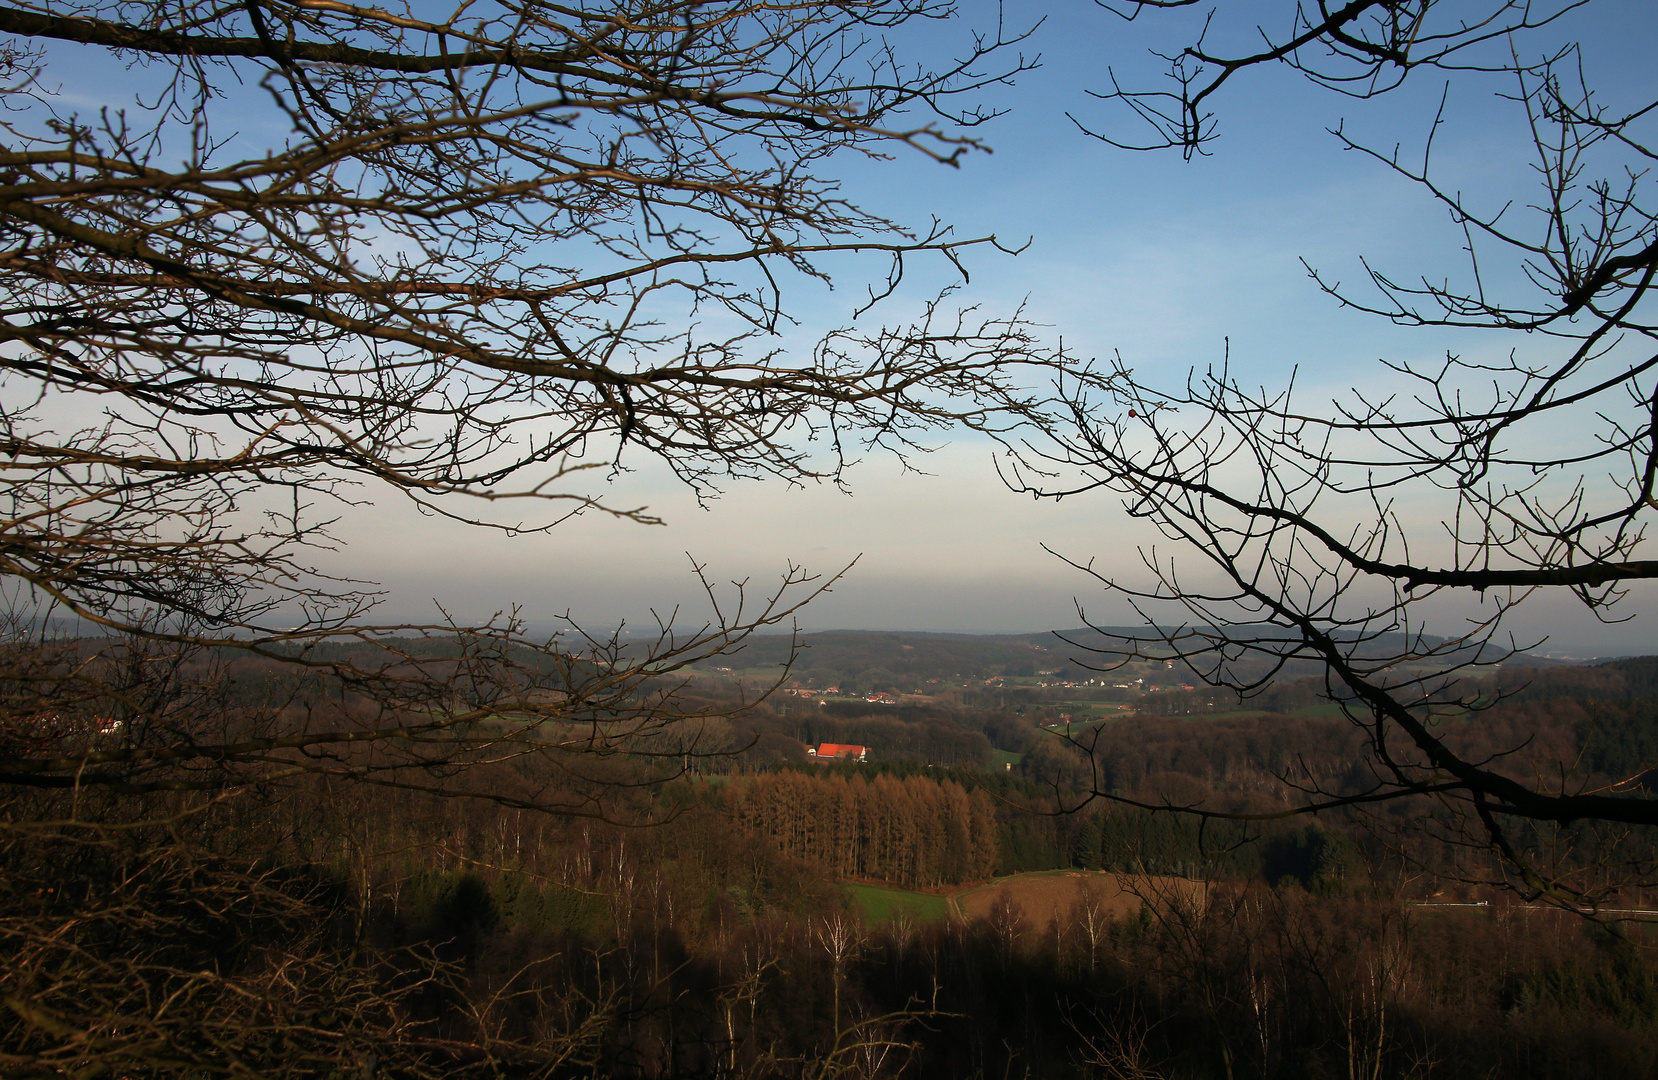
(880, 905)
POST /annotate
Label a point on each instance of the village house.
(831, 751)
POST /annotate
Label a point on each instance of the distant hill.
(864, 655)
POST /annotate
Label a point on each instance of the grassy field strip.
(880, 905)
(1041, 896)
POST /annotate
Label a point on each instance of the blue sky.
(1161, 260)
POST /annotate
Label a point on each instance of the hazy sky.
(1145, 254)
(1159, 259)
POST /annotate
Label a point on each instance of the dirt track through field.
(1043, 897)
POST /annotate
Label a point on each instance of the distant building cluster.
(879, 697)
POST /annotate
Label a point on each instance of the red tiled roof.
(832, 749)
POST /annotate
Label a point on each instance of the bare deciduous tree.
(1329, 532)
(311, 253)
(317, 251)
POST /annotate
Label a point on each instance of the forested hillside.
(916, 831)
(692, 915)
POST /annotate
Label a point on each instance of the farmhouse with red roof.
(834, 751)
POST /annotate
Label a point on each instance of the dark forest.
(716, 919)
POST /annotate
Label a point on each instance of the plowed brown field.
(1042, 897)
